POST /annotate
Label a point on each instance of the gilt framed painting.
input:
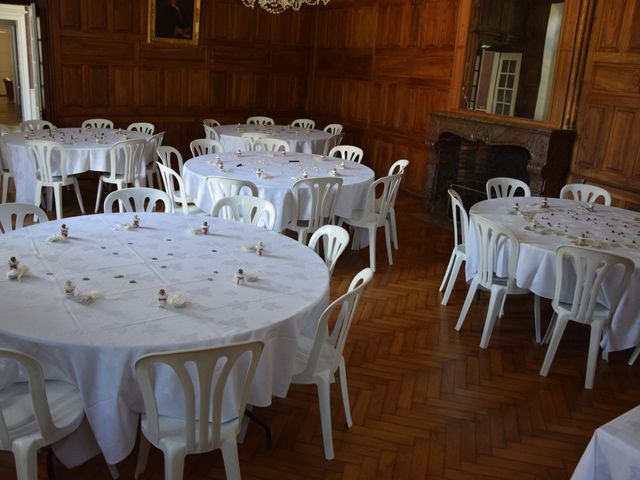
(174, 21)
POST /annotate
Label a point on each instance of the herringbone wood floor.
(426, 401)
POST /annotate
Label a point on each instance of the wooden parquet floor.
(427, 402)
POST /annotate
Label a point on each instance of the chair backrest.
(97, 123)
(333, 128)
(252, 138)
(4, 129)
(203, 374)
(143, 127)
(381, 204)
(177, 195)
(334, 241)
(167, 154)
(15, 213)
(211, 122)
(144, 200)
(125, 159)
(38, 395)
(246, 209)
(322, 195)
(348, 152)
(491, 238)
(271, 145)
(50, 157)
(210, 132)
(345, 308)
(304, 123)
(151, 150)
(34, 125)
(590, 269)
(5, 160)
(205, 146)
(398, 166)
(459, 215)
(585, 193)
(258, 120)
(499, 187)
(220, 187)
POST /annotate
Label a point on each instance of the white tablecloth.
(614, 451)
(95, 346)
(276, 187)
(84, 153)
(615, 230)
(299, 139)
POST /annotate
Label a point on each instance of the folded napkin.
(55, 238)
(177, 300)
(86, 298)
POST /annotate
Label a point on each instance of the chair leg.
(394, 228)
(372, 247)
(387, 236)
(325, 418)
(634, 356)
(594, 348)
(76, 187)
(342, 371)
(536, 316)
(558, 331)
(149, 179)
(467, 303)
(57, 190)
(143, 455)
(5, 188)
(26, 459)
(497, 297)
(99, 195)
(174, 463)
(452, 279)
(229, 451)
(549, 332)
(113, 471)
(448, 270)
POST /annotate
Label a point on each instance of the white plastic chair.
(35, 414)
(144, 200)
(97, 123)
(332, 142)
(321, 195)
(211, 122)
(376, 214)
(491, 237)
(304, 123)
(590, 268)
(143, 127)
(333, 128)
(15, 213)
(459, 253)
(125, 157)
(271, 145)
(318, 359)
(6, 170)
(399, 166)
(334, 241)
(634, 355)
(149, 155)
(177, 195)
(251, 138)
(210, 133)
(48, 155)
(35, 125)
(258, 120)
(585, 193)
(246, 209)
(220, 187)
(203, 375)
(205, 146)
(348, 152)
(4, 129)
(500, 187)
(167, 155)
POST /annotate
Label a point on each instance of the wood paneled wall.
(248, 62)
(608, 144)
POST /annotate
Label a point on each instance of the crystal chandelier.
(279, 6)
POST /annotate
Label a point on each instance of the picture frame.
(174, 22)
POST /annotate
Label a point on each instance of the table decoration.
(16, 272)
(238, 277)
(177, 300)
(162, 297)
(260, 249)
(204, 228)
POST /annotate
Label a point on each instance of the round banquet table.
(610, 229)
(95, 346)
(300, 139)
(87, 149)
(281, 172)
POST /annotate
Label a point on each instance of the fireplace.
(466, 151)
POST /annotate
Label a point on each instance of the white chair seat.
(362, 219)
(326, 360)
(172, 431)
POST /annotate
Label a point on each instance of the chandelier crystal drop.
(279, 6)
